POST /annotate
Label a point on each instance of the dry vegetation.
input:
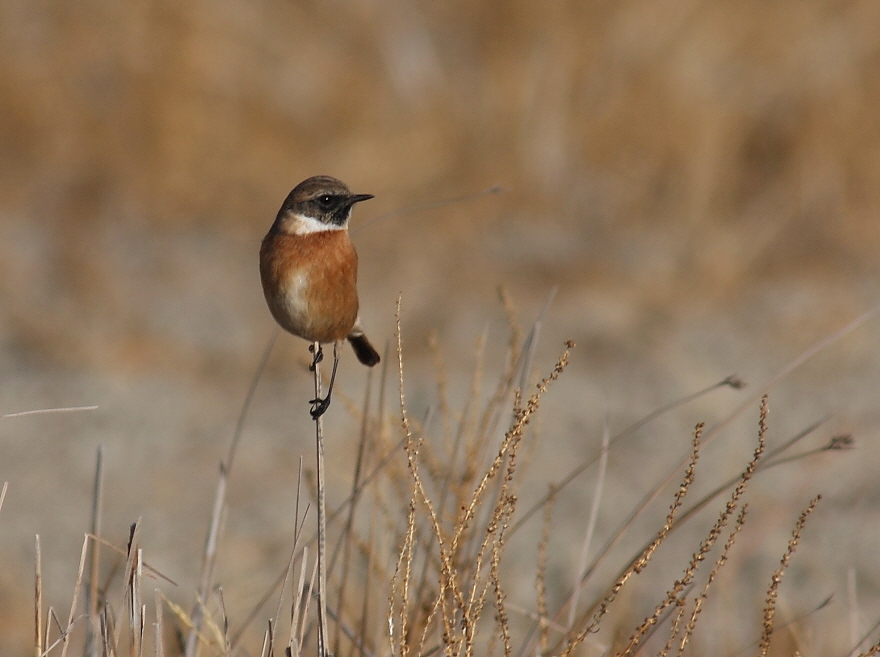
(699, 180)
(447, 506)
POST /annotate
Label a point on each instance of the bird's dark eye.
(325, 200)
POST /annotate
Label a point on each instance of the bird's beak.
(357, 198)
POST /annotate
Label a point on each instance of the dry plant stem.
(450, 470)
(131, 565)
(347, 535)
(46, 411)
(731, 506)
(711, 433)
(715, 532)
(461, 431)
(227, 648)
(249, 398)
(330, 518)
(323, 644)
(628, 431)
(296, 534)
(462, 593)
(214, 526)
(493, 411)
(406, 553)
(442, 387)
(766, 463)
(521, 357)
(65, 643)
(38, 595)
(716, 429)
(368, 571)
(526, 359)
(269, 643)
(639, 563)
(678, 588)
(294, 643)
(773, 591)
(94, 625)
(158, 631)
(719, 564)
(540, 578)
(349, 633)
(591, 523)
(873, 650)
(136, 607)
(864, 639)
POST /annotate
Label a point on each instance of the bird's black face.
(331, 208)
(323, 198)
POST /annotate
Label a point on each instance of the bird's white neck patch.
(304, 225)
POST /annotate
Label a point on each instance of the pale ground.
(699, 182)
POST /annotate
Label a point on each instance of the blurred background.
(700, 181)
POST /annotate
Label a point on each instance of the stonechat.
(308, 267)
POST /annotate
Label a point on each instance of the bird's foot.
(317, 356)
(319, 407)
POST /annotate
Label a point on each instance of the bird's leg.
(317, 355)
(320, 406)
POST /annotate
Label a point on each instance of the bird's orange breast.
(310, 283)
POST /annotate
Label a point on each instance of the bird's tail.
(363, 349)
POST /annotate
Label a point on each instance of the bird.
(308, 268)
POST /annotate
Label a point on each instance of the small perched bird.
(308, 267)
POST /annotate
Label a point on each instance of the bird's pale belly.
(310, 284)
(316, 306)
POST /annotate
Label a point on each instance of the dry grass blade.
(268, 648)
(158, 629)
(295, 638)
(3, 493)
(136, 608)
(227, 648)
(309, 592)
(107, 632)
(65, 643)
(129, 583)
(47, 411)
(52, 620)
(153, 572)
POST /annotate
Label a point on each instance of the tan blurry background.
(701, 180)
